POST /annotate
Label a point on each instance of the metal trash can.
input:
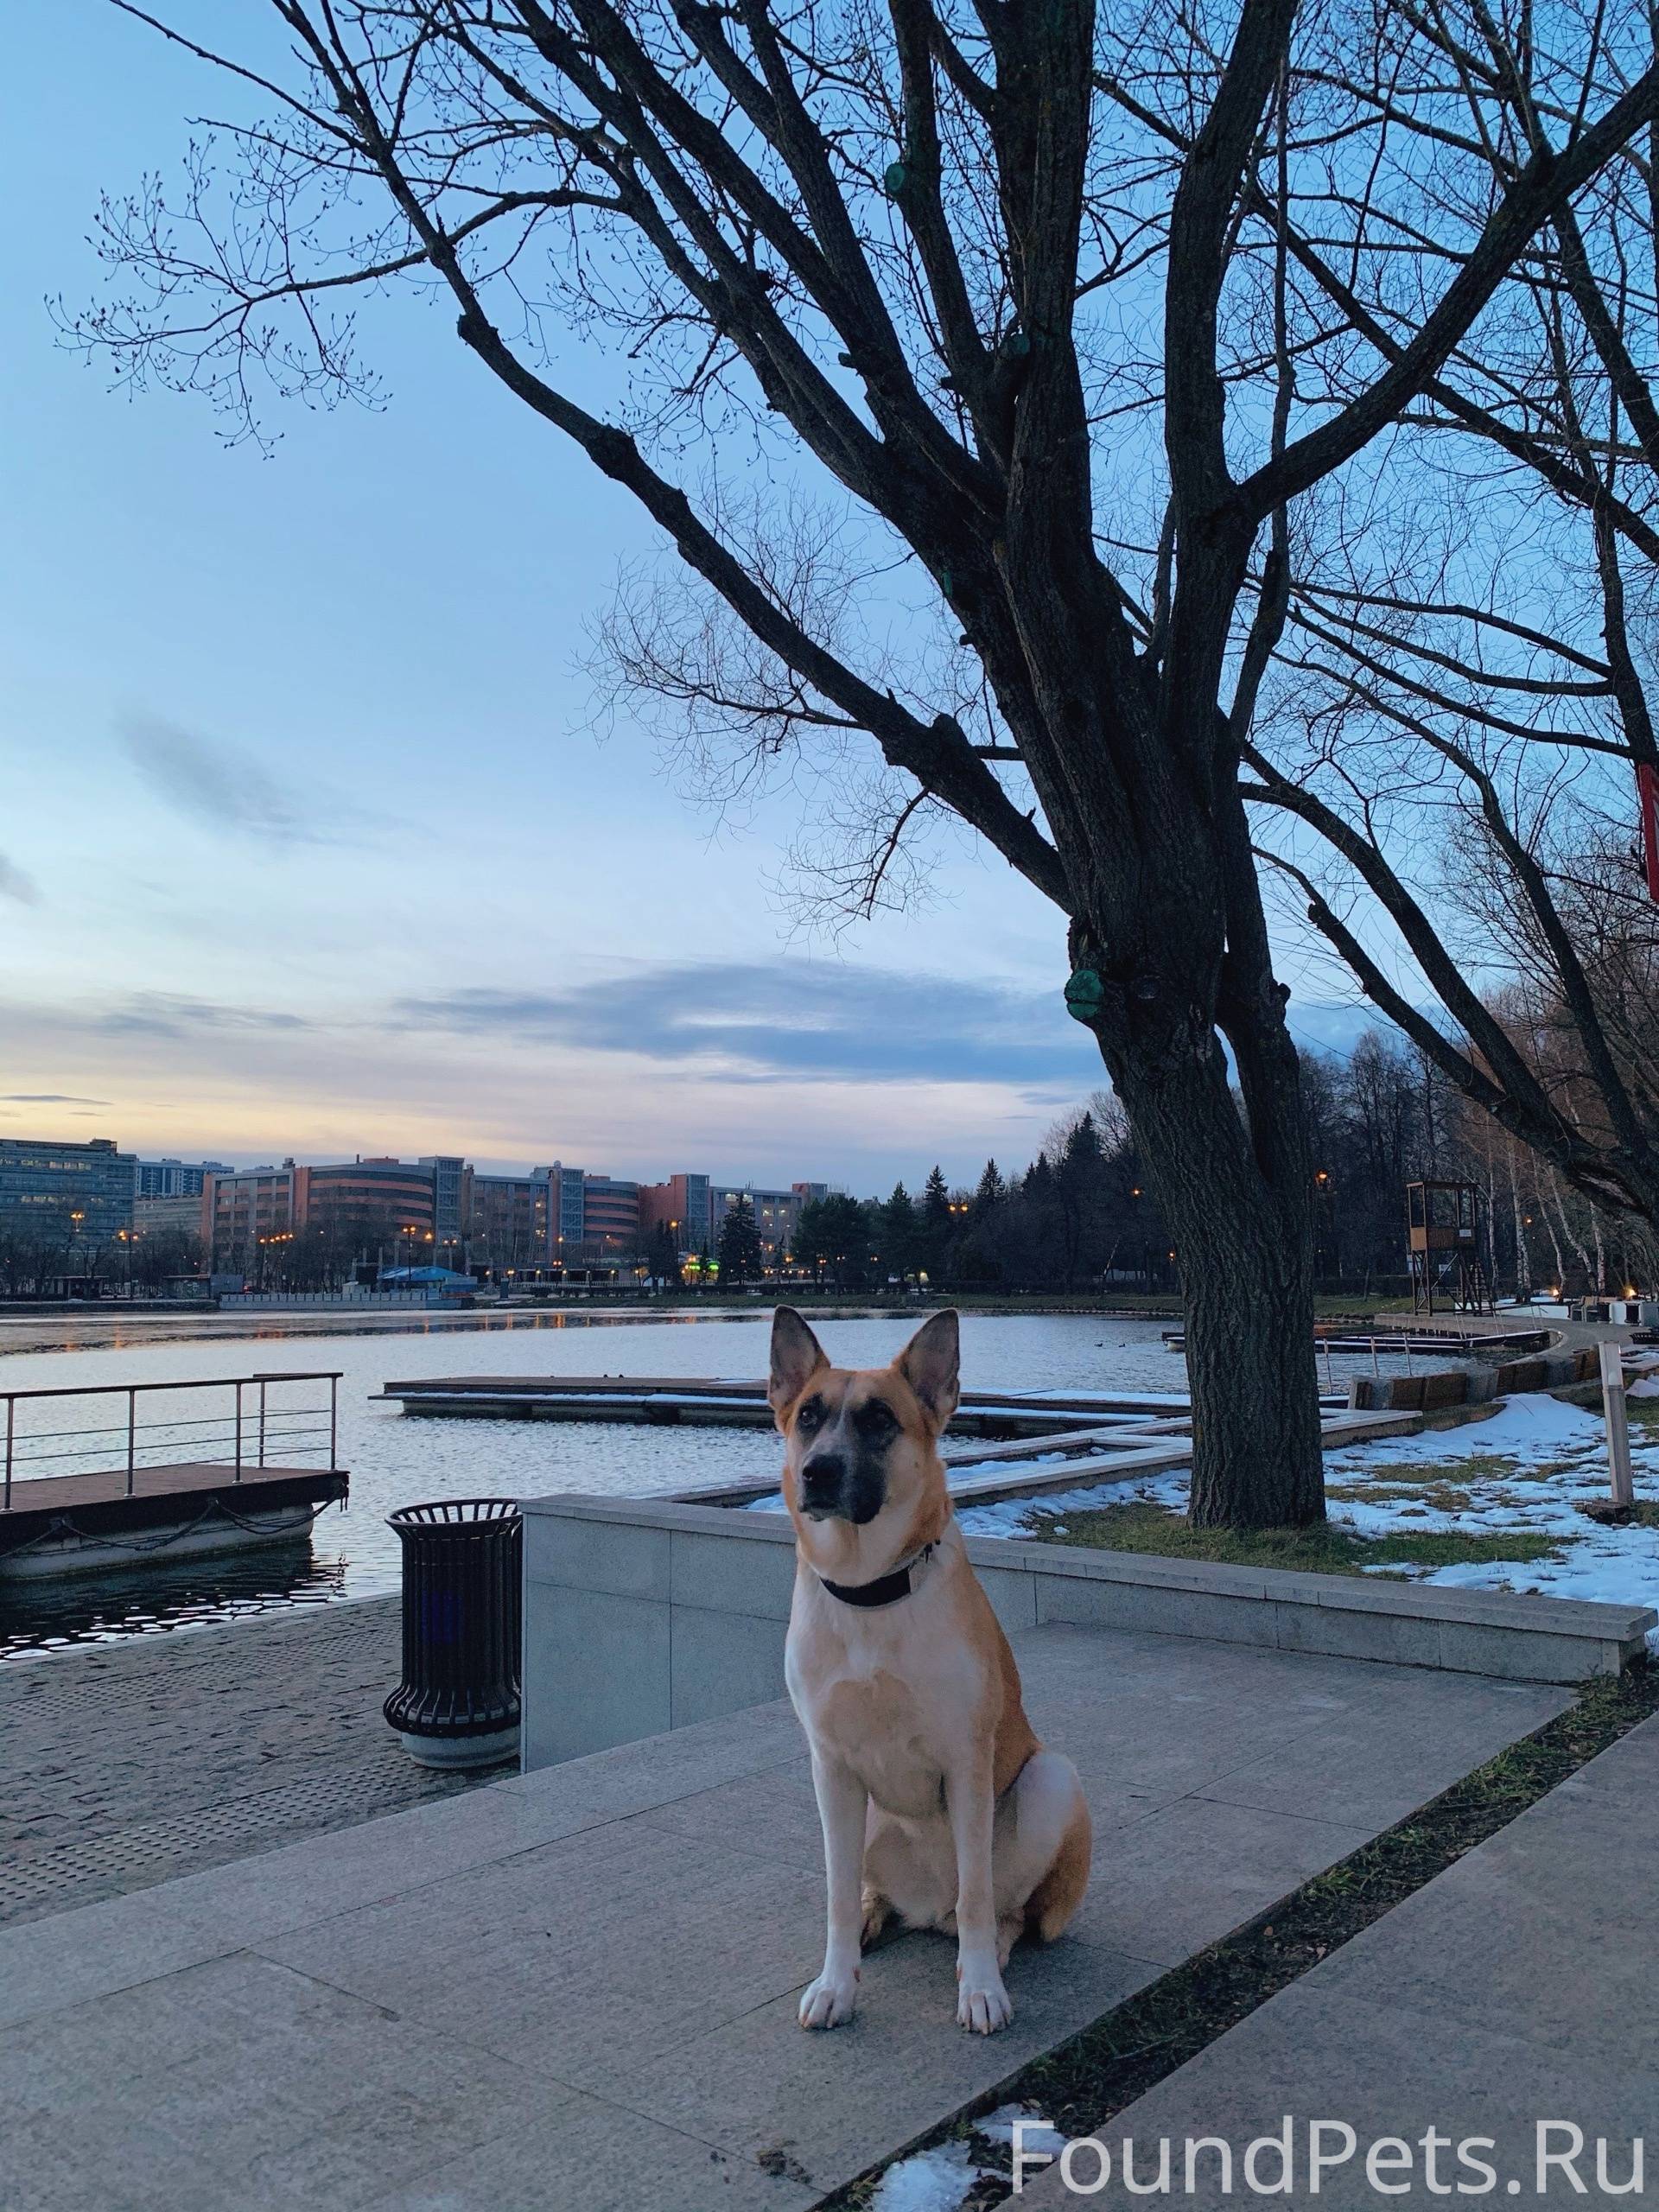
(458, 1703)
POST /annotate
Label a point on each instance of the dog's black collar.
(886, 1590)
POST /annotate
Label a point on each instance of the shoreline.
(99, 1328)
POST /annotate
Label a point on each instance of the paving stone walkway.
(577, 1990)
(1517, 1988)
(127, 1763)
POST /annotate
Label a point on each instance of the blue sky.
(307, 843)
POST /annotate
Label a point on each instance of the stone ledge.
(675, 1615)
(1574, 1617)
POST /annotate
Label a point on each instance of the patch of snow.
(1552, 1461)
(998, 2127)
(953, 1472)
(1018, 1516)
(930, 2181)
(1535, 1426)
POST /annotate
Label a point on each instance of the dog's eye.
(811, 1413)
(874, 1421)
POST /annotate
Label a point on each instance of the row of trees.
(55, 1256)
(1083, 1217)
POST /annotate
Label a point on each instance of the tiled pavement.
(577, 1989)
(127, 1763)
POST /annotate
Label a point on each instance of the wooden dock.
(1055, 1440)
(243, 1485)
(671, 1400)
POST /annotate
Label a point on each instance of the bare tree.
(1000, 292)
(1467, 638)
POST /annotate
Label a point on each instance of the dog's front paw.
(831, 1999)
(982, 2002)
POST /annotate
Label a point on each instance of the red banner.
(1647, 792)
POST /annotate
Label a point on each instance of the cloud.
(217, 784)
(162, 1014)
(49, 1098)
(791, 1019)
(16, 883)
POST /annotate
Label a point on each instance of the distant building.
(377, 1208)
(240, 1210)
(179, 1214)
(569, 1215)
(452, 1204)
(610, 1218)
(174, 1179)
(440, 1210)
(553, 1215)
(777, 1216)
(681, 1206)
(75, 1194)
(511, 1220)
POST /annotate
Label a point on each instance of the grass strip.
(1085, 2083)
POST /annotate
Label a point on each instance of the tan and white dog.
(939, 1806)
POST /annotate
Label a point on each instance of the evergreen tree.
(1080, 1185)
(991, 1191)
(939, 1227)
(740, 1253)
(898, 1236)
(662, 1258)
(834, 1239)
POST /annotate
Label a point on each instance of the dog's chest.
(898, 1733)
(878, 1726)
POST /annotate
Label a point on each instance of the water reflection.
(38, 1618)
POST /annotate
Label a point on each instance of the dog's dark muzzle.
(834, 1488)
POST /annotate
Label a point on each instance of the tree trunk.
(1523, 1249)
(1244, 1237)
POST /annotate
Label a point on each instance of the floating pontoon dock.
(181, 1484)
(1055, 1440)
(1459, 1344)
(671, 1399)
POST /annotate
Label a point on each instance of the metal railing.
(252, 1430)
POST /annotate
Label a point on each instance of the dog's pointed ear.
(930, 1362)
(796, 1356)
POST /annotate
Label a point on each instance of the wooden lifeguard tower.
(1443, 1239)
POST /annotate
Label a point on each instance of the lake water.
(396, 1460)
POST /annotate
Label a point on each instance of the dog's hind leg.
(879, 1913)
(1041, 1849)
